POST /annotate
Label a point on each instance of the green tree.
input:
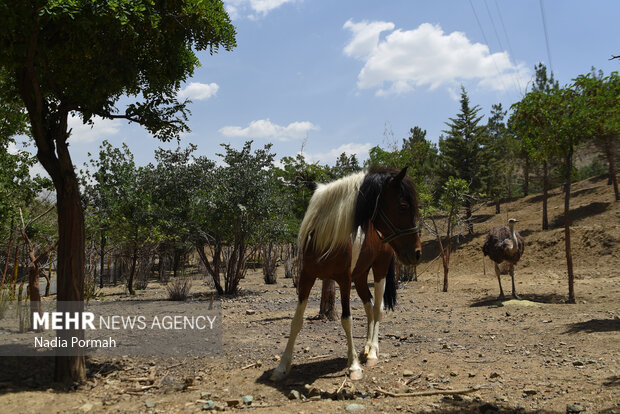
(237, 209)
(499, 164)
(120, 202)
(82, 56)
(443, 219)
(463, 152)
(602, 96)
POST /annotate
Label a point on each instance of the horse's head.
(396, 217)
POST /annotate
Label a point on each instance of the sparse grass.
(178, 288)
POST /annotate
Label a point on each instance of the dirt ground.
(534, 355)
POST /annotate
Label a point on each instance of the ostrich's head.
(512, 221)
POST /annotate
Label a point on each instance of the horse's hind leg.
(354, 368)
(305, 285)
(361, 286)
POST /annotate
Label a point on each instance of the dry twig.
(427, 393)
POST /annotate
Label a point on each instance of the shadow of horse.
(306, 373)
(594, 325)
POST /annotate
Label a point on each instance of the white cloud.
(329, 157)
(84, 133)
(426, 56)
(365, 37)
(264, 128)
(254, 9)
(197, 91)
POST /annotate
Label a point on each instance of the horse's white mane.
(328, 223)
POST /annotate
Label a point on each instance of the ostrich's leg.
(499, 280)
(512, 275)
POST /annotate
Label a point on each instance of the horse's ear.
(401, 174)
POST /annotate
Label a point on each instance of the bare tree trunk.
(102, 257)
(545, 220)
(468, 217)
(8, 252)
(498, 206)
(134, 260)
(526, 176)
(569, 254)
(213, 269)
(328, 300)
(609, 154)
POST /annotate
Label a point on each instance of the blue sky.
(342, 75)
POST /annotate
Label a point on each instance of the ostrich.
(505, 247)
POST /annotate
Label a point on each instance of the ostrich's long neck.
(513, 237)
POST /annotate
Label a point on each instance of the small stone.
(407, 373)
(471, 374)
(247, 399)
(250, 312)
(205, 395)
(578, 363)
(355, 408)
(150, 404)
(314, 391)
(294, 395)
(494, 375)
(209, 405)
(232, 403)
(530, 391)
(453, 374)
(86, 408)
(574, 408)
(306, 350)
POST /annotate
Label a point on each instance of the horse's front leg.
(354, 368)
(373, 353)
(361, 286)
(305, 285)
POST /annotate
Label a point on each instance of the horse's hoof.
(371, 362)
(277, 376)
(356, 375)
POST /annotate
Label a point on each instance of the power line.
(542, 13)
(501, 20)
(487, 43)
(493, 24)
(514, 76)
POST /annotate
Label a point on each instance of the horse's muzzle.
(410, 257)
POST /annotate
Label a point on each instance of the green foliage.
(463, 147)
(295, 179)
(87, 54)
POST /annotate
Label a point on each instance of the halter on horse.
(353, 225)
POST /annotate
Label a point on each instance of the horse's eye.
(404, 206)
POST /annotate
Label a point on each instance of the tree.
(237, 208)
(81, 56)
(559, 119)
(602, 95)
(17, 187)
(499, 164)
(445, 219)
(462, 152)
(530, 127)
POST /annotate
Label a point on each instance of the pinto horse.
(353, 225)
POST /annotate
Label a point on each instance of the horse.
(354, 224)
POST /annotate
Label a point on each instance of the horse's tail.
(389, 294)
